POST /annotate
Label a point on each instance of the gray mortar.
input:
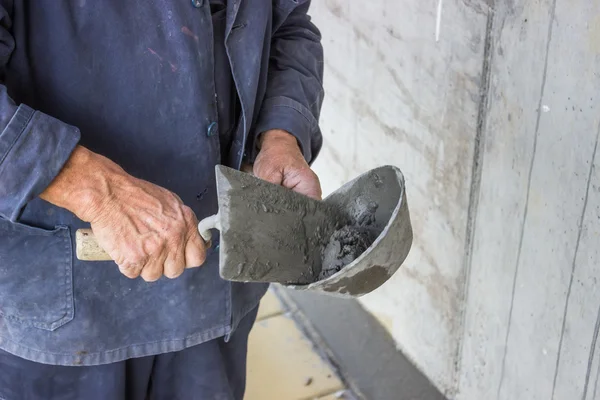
(383, 186)
(350, 241)
(345, 245)
(272, 234)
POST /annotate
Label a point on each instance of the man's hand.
(281, 162)
(146, 229)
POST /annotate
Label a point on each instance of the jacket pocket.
(36, 275)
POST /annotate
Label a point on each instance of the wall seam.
(527, 197)
(574, 265)
(474, 193)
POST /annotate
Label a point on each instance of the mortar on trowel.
(348, 244)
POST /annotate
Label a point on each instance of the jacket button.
(197, 3)
(212, 129)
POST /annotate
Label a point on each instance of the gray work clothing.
(134, 81)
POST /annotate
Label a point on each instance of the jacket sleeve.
(33, 146)
(295, 80)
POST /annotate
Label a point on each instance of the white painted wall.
(493, 117)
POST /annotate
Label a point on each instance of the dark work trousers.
(215, 370)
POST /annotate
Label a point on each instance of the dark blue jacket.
(133, 80)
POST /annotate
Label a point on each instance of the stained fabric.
(212, 370)
(137, 82)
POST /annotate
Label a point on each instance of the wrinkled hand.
(280, 161)
(146, 229)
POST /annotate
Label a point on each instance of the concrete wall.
(492, 112)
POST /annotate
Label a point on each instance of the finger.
(154, 268)
(195, 251)
(269, 174)
(131, 270)
(305, 182)
(175, 262)
(315, 192)
(311, 191)
(131, 266)
(310, 186)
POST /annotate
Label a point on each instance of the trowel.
(271, 234)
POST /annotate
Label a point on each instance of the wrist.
(84, 184)
(276, 137)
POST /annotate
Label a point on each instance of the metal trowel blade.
(270, 233)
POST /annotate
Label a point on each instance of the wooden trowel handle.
(87, 248)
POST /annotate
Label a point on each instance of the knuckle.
(129, 271)
(176, 227)
(151, 247)
(136, 260)
(128, 265)
(196, 240)
(188, 215)
(172, 232)
(120, 260)
(174, 239)
(176, 198)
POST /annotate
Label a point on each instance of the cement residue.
(349, 242)
(272, 234)
(346, 245)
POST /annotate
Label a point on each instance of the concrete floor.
(283, 363)
(310, 346)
